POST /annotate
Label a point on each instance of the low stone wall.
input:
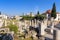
(6, 36)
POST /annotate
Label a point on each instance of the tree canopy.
(53, 13)
(27, 17)
(38, 16)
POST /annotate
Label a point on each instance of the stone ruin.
(5, 34)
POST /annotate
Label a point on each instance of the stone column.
(35, 23)
(32, 23)
(47, 16)
(43, 27)
(56, 35)
(52, 24)
(5, 22)
(25, 24)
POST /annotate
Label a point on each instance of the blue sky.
(18, 7)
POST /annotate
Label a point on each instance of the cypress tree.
(38, 13)
(0, 12)
(53, 13)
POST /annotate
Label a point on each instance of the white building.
(1, 23)
(57, 17)
(30, 14)
(3, 20)
(18, 17)
(48, 15)
(3, 17)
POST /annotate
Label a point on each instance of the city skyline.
(17, 7)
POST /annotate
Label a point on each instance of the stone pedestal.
(56, 35)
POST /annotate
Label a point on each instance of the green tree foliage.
(39, 16)
(13, 28)
(27, 17)
(38, 13)
(53, 13)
